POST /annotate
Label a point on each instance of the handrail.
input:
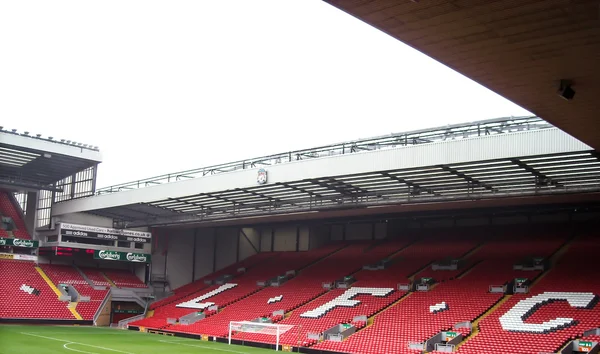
(125, 322)
(449, 132)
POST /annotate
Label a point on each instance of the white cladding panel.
(519, 144)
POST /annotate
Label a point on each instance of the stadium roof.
(520, 49)
(514, 159)
(33, 162)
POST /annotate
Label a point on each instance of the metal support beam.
(9, 182)
(338, 186)
(541, 179)
(469, 179)
(277, 200)
(414, 186)
(248, 239)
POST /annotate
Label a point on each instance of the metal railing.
(423, 136)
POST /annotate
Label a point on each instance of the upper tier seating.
(124, 278)
(96, 276)
(63, 274)
(7, 208)
(17, 280)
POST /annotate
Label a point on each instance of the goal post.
(258, 327)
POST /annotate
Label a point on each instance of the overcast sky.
(163, 86)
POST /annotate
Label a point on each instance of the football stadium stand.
(388, 318)
(430, 241)
(470, 238)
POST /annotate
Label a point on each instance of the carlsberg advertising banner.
(122, 256)
(17, 242)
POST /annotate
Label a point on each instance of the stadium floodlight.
(258, 327)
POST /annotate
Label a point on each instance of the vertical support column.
(297, 238)
(94, 176)
(215, 250)
(260, 234)
(31, 212)
(237, 247)
(272, 240)
(194, 256)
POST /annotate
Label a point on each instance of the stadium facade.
(374, 222)
(472, 238)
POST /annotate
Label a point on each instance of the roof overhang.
(519, 49)
(524, 164)
(31, 163)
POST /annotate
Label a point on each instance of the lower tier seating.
(568, 292)
(561, 305)
(242, 285)
(25, 294)
(464, 299)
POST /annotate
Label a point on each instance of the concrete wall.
(303, 238)
(359, 232)
(319, 236)
(381, 230)
(266, 237)
(227, 247)
(337, 232)
(249, 242)
(205, 250)
(285, 239)
(85, 219)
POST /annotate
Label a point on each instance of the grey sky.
(163, 86)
